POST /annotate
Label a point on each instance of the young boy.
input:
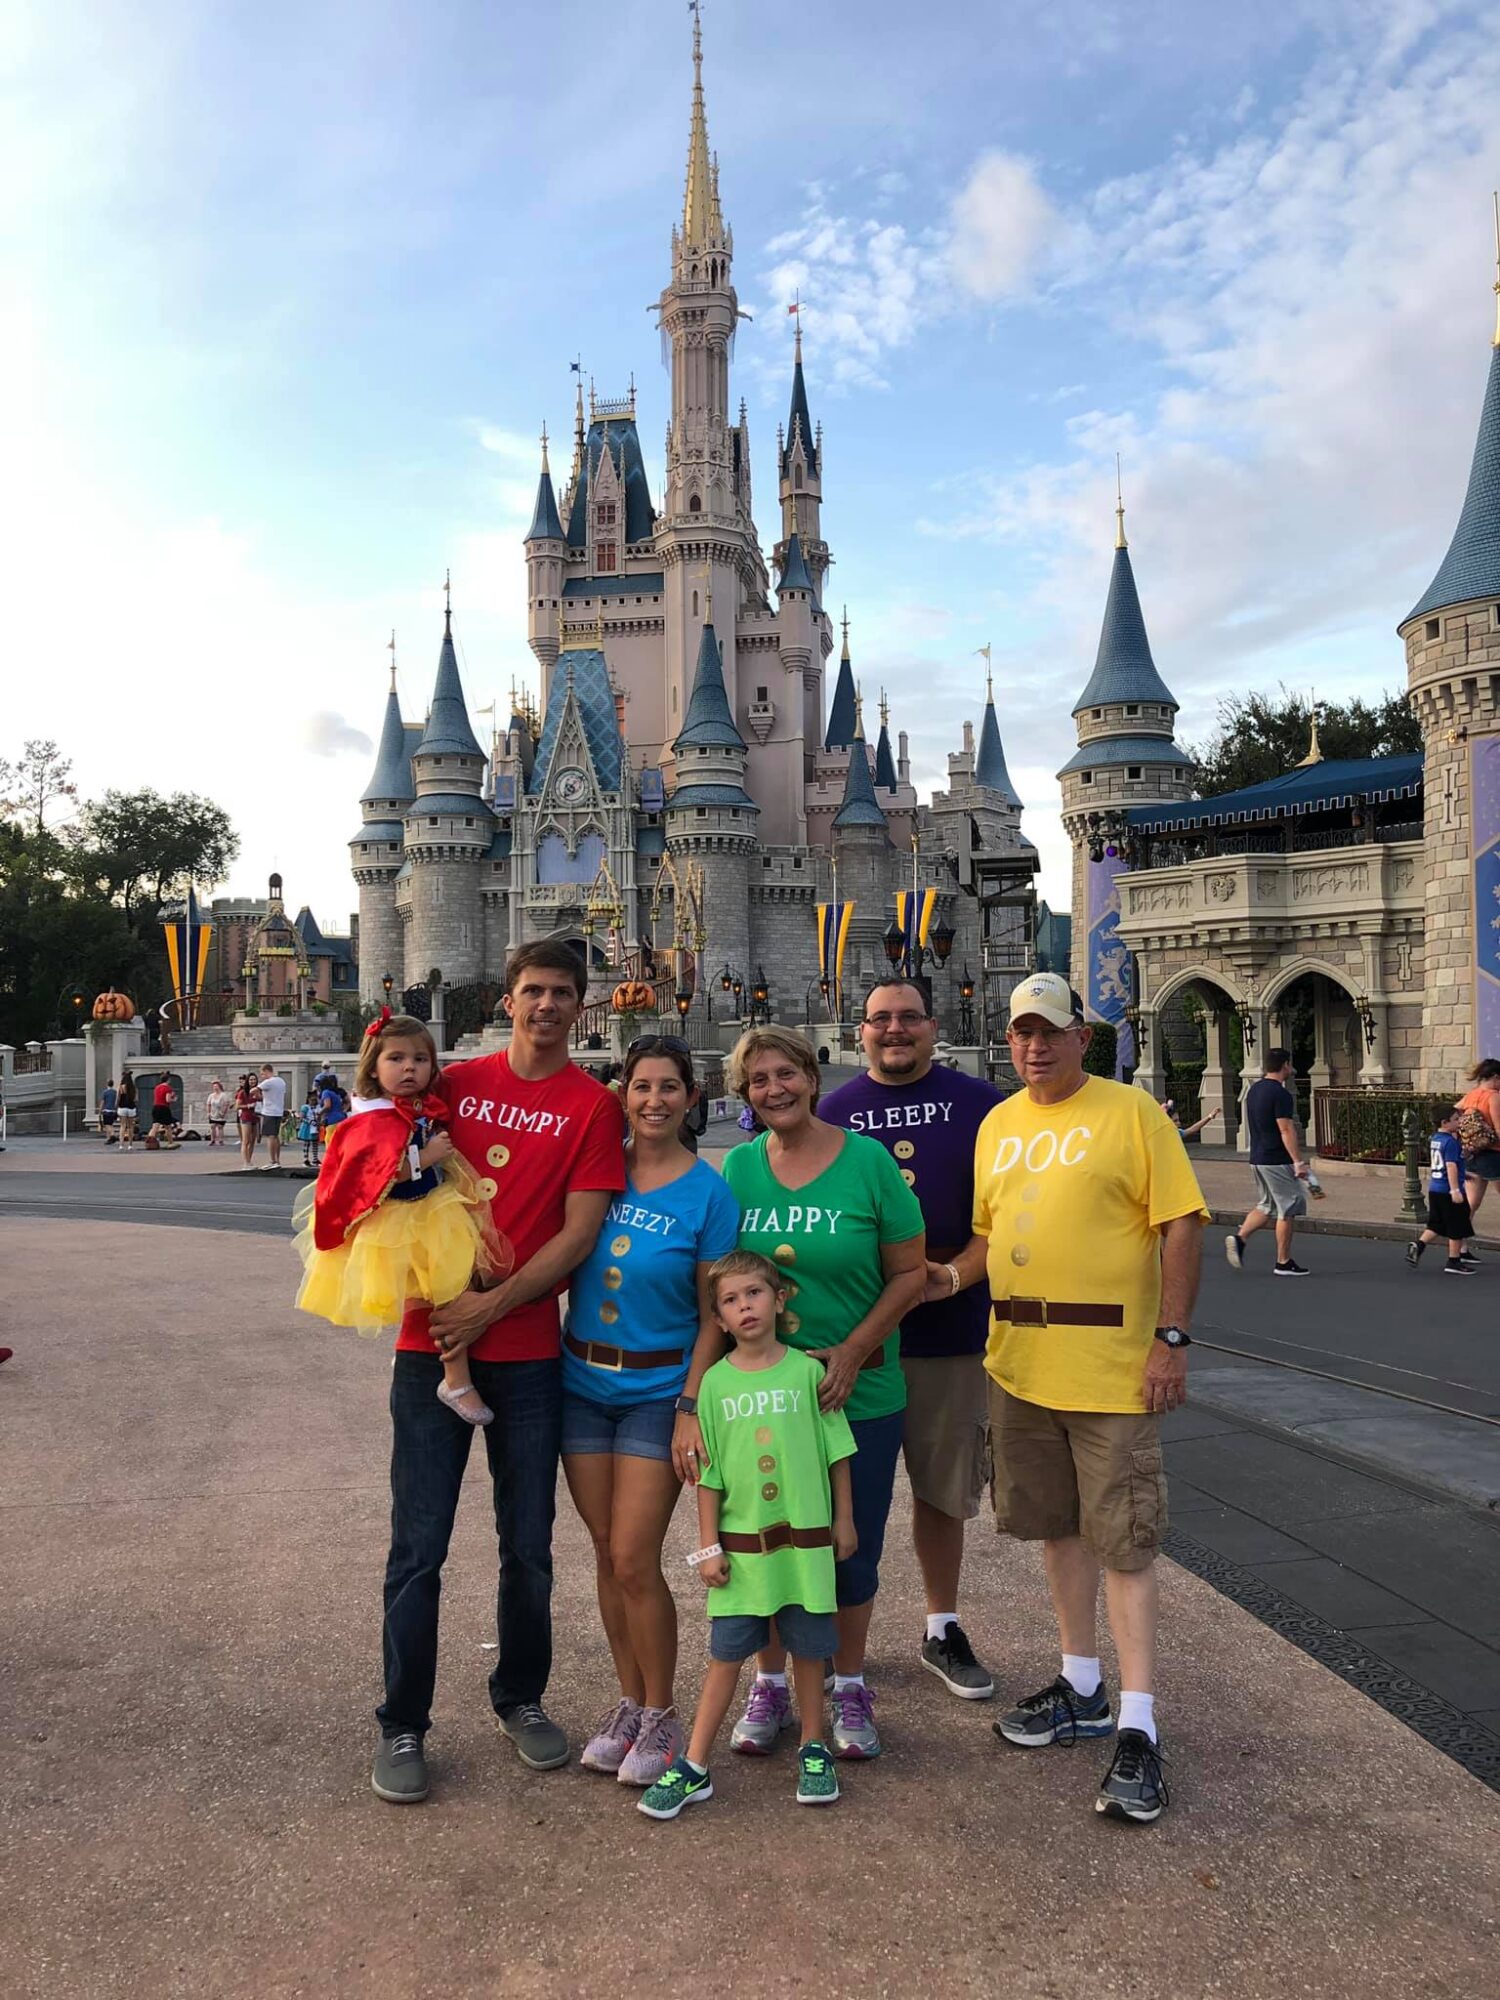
(1447, 1202)
(774, 1512)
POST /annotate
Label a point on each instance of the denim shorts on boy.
(872, 1481)
(807, 1635)
(627, 1430)
(1281, 1193)
(1096, 1474)
(946, 1437)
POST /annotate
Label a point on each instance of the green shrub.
(1102, 1052)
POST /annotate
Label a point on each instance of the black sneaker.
(400, 1773)
(540, 1744)
(1133, 1787)
(1291, 1269)
(952, 1659)
(1469, 1261)
(1414, 1254)
(1457, 1268)
(1058, 1714)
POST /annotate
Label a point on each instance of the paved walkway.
(1365, 1200)
(194, 1507)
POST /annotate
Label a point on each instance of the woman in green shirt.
(831, 1210)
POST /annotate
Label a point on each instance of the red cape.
(362, 1162)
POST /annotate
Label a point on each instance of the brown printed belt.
(780, 1536)
(599, 1354)
(1056, 1312)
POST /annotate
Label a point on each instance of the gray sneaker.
(400, 1773)
(767, 1713)
(540, 1744)
(854, 1733)
(952, 1659)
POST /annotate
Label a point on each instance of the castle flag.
(914, 912)
(833, 935)
(188, 939)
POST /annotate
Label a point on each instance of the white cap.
(1049, 995)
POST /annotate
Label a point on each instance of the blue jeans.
(429, 1450)
(872, 1481)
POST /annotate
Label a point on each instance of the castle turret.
(1126, 756)
(376, 851)
(841, 712)
(863, 850)
(800, 468)
(710, 817)
(449, 829)
(885, 763)
(1452, 638)
(990, 767)
(545, 550)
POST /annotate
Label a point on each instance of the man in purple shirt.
(927, 1118)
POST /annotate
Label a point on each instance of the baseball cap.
(1049, 995)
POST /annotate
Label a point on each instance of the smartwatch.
(1173, 1336)
(686, 1406)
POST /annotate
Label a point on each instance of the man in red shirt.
(547, 1144)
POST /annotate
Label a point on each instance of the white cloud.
(1000, 221)
(326, 734)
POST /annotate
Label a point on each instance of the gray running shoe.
(1058, 1714)
(767, 1713)
(854, 1733)
(1133, 1787)
(540, 1744)
(400, 1773)
(952, 1659)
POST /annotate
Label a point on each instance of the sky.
(287, 292)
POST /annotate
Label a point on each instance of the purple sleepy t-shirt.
(929, 1128)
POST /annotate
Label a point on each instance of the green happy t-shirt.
(826, 1237)
(769, 1449)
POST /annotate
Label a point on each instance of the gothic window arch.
(797, 475)
(695, 604)
(695, 504)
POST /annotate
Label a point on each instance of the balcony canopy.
(1315, 788)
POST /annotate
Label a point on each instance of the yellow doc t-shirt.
(1072, 1197)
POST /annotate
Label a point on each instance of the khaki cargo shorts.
(946, 1439)
(1091, 1473)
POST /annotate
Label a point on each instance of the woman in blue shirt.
(640, 1335)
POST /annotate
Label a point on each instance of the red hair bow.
(378, 1023)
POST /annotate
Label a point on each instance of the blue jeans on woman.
(429, 1451)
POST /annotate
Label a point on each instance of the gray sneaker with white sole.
(400, 1773)
(540, 1744)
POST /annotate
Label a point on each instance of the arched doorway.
(1195, 1052)
(1312, 1013)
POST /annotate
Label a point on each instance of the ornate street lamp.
(942, 941)
(760, 997)
(894, 941)
(966, 1009)
(1366, 1015)
(1246, 1017)
(684, 999)
(386, 984)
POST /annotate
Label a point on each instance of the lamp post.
(1366, 1015)
(760, 998)
(385, 986)
(683, 999)
(1246, 1016)
(966, 1009)
(731, 980)
(1109, 834)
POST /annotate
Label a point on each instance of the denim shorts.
(807, 1635)
(629, 1430)
(872, 1480)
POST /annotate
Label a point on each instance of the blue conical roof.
(989, 766)
(799, 419)
(392, 779)
(841, 716)
(709, 722)
(860, 807)
(1123, 669)
(546, 526)
(448, 727)
(1471, 567)
(794, 575)
(885, 763)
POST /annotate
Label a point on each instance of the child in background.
(382, 1224)
(1447, 1201)
(774, 1511)
(307, 1129)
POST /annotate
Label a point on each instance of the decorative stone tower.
(866, 864)
(1452, 638)
(800, 463)
(545, 549)
(1125, 756)
(376, 851)
(711, 818)
(449, 829)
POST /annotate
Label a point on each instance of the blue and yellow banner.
(188, 939)
(833, 935)
(915, 909)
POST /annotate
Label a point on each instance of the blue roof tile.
(449, 805)
(795, 574)
(392, 778)
(1123, 669)
(1324, 787)
(595, 699)
(841, 716)
(711, 795)
(1471, 567)
(709, 721)
(885, 763)
(545, 524)
(860, 807)
(448, 730)
(625, 448)
(648, 583)
(989, 767)
(1106, 751)
(799, 420)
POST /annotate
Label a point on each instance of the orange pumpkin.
(633, 996)
(112, 1006)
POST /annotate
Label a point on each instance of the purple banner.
(1108, 979)
(1484, 790)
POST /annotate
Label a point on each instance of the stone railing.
(1378, 878)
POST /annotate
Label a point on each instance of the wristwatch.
(1173, 1336)
(686, 1406)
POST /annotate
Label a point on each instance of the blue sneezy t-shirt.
(1445, 1149)
(638, 1286)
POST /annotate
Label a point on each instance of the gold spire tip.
(885, 711)
(1497, 268)
(859, 712)
(545, 466)
(1120, 541)
(846, 632)
(391, 649)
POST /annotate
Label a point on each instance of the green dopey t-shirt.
(826, 1238)
(769, 1449)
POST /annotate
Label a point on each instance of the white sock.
(700, 1769)
(1137, 1711)
(939, 1621)
(1081, 1674)
(842, 1681)
(771, 1680)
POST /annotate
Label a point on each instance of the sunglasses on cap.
(650, 1044)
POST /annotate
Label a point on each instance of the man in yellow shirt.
(1087, 1228)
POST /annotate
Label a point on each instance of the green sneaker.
(817, 1781)
(678, 1786)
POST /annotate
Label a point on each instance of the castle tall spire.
(702, 219)
(1124, 670)
(990, 767)
(545, 525)
(885, 763)
(860, 806)
(842, 719)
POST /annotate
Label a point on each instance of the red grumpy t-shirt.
(531, 1144)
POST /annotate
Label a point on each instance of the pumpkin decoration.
(112, 1006)
(633, 996)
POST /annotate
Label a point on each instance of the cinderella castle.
(686, 744)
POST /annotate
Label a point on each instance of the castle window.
(797, 475)
(1432, 628)
(1497, 614)
(364, 847)
(432, 822)
(1132, 708)
(797, 863)
(606, 561)
(468, 822)
(1085, 777)
(1132, 771)
(606, 514)
(702, 812)
(760, 694)
(1098, 715)
(765, 861)
(695, 505)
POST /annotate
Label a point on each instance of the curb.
(1370, 1232)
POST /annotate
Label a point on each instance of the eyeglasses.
(881, 1022)
(1048, 1037)
(650, 1045)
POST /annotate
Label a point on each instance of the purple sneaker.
(854, 1733)
(607, 1749)
(658, 1744)
(767, 1713)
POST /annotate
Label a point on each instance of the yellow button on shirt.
(1072, 1198)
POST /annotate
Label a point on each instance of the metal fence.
(1352, 1124)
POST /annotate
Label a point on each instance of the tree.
(28, 788)
(141, 850)
(1261, 736)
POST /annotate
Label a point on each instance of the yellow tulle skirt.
(424, 1251)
